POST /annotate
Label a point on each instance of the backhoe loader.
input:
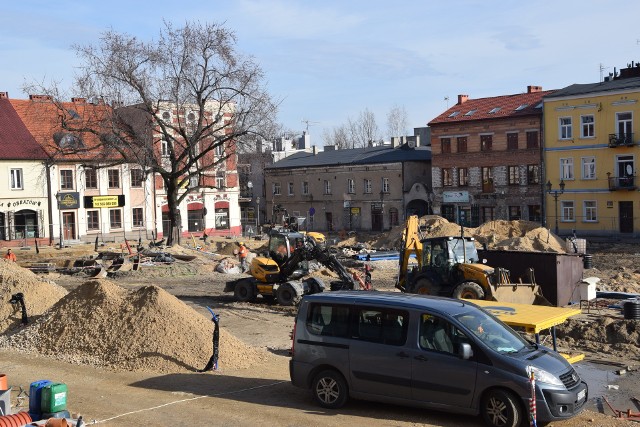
(278, 275)
(450, 266)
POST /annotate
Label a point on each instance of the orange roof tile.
(16, 143)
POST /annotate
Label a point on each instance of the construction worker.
(242, 255)
(10, 256)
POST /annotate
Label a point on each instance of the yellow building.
(591, 141)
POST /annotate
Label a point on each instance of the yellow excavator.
(450, 266)
(280, 274)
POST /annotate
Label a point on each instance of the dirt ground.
(141, 368)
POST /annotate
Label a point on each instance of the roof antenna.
(308, 122)
(446, 98)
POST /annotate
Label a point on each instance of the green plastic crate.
(54, 397)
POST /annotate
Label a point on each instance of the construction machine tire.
(287, 295)
(425, 287)
(244, 291)
(468, 290)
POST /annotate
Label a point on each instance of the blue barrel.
(35, 396)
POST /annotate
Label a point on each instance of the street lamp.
(59, 197)
(555, 194)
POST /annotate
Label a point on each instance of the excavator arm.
(410, 245)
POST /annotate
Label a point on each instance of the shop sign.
(455, 197)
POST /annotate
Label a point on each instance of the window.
(305, 187)
(384, 326)
(327, 186)
(367, 186)
(385, 185)
(566, 168)
(624, 124)
(470, 112)
(535, 213)
(137, 217)
(587, 126)
(436, 334)
(462, 144)
(93, 220)
(514, 175)
(221, 181)
(486, 141)
(66, 179)
(565, 128)
(194, 181)
(16, 179)
(533, 174)
(521, 107)
(512, 141)
(589, 167)
(219, 150)
(192, 124)
(115, 218)
(328, 320)
(164, 146)
(446, 145)
(136, 177)
(447, 178)
(463, 177)
(514, 213)
(568, 211)
(590, 208)
(114, 178)
(166, 116)
(455, 113)
(495, 110)
(291, 192)
(90, 178)
(276, 188)
(532, 139)
(487, 180)
(488, 213)
(351, 186)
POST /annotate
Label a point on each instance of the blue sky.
(329, 60)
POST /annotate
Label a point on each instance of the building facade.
(486, 159)
(356, 189)
(23, 198)
(591, 148)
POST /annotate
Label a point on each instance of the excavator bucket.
(520, 293)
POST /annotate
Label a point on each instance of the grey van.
(432, 352)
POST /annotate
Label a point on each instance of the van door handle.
(421, 358)
(402, 354)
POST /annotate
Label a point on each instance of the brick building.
(486, 158)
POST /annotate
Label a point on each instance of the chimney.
(315, 150)
(462, 99)
(394, 141)
(534, 89)
(4, 95)
(329, 147)
(40, 98)
(79, 100)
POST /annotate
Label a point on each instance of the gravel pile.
(39, 294)
(148, 329)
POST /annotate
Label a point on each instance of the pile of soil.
(505, 235)
(148, 329)
(38, 295)
(605, 336)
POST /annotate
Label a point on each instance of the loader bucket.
(519, 293)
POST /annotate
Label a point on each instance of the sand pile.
(39, 295)
(605, 336)
(505, 235)
(102, 324)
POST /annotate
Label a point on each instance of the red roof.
(496, 107)
(43, 117)
(16, 143)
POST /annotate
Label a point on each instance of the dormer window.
(455, 113)
(522, 107)
(469, 113)
(495, 110)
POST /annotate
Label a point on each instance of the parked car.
(431, 352)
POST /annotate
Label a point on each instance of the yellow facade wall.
(605, 201)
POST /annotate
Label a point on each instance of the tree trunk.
(175, 220)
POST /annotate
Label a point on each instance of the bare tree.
(397, 121)
(182, 105)
(358, 133)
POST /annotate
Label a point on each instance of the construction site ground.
(140, 367)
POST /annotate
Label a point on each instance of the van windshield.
(492, 331)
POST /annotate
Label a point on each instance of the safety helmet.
(241, 243)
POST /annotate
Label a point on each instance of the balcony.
(621, 139)
(617, 183)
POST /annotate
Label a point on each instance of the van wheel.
(500, 408)
(468, 290)
(287, 295)
(426, 287)
(330, 389)
(244, 291)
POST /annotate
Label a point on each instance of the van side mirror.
(465, 351)
(484, 260)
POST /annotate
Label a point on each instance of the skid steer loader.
(450, 266)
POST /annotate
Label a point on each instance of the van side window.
(328, 320)
(435, 334)
(381, 326)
